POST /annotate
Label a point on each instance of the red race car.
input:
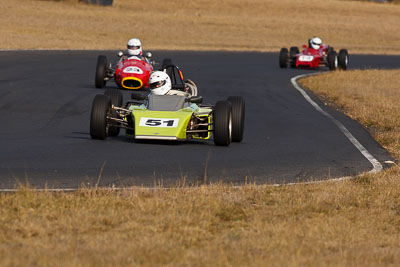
(313, 56)
(129, 73)
(134, 73)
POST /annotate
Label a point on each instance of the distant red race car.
(133, 73)
(325, 55)
(129, 72)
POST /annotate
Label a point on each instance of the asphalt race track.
(46, 98)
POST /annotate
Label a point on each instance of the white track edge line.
(377, 166)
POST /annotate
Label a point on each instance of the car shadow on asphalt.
(168, 142)
(128, 139)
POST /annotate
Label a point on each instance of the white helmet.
(160, 83)
(134, 47)
(315, 42)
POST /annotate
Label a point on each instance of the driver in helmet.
(134, 50)
(315, 43)
(160, 84)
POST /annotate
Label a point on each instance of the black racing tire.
(167, 65)
(166, 62)
(343, 59)
(332, 60)
(238, 114)
(283, 58)
(222, 118)
(98, 117)
(116, 99)
(101, 70)
(294, 50)
(329, 50)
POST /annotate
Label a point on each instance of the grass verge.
(347, 223)
(262, 25)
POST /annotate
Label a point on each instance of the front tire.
(283, 58)
(294, 50)
(101, 70)
(98, 117)
(238, 113)
(343, 59)
(332, 60)
(222, 118)
(116, 100)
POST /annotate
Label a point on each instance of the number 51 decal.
(158, 122)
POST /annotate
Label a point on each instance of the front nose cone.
(132, 83)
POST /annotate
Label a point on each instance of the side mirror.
(148, 55)
(304, 46)
(196, 99)
(120, 53)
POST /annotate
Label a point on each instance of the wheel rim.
(336, 62)
(108, 115)
(346, 60)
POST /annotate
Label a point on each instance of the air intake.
(132, 83)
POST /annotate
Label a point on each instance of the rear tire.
(166, 62)
(343, 59)
(116, 100)
(166, 65)
(294, 50)
(238, 113)
(101, 70)
(332, 60)
(222, 123)
(283, 58)
(98, 117)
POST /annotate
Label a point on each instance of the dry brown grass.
(387, 1)
(351, 223)
(368, 96)
(264, 25)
